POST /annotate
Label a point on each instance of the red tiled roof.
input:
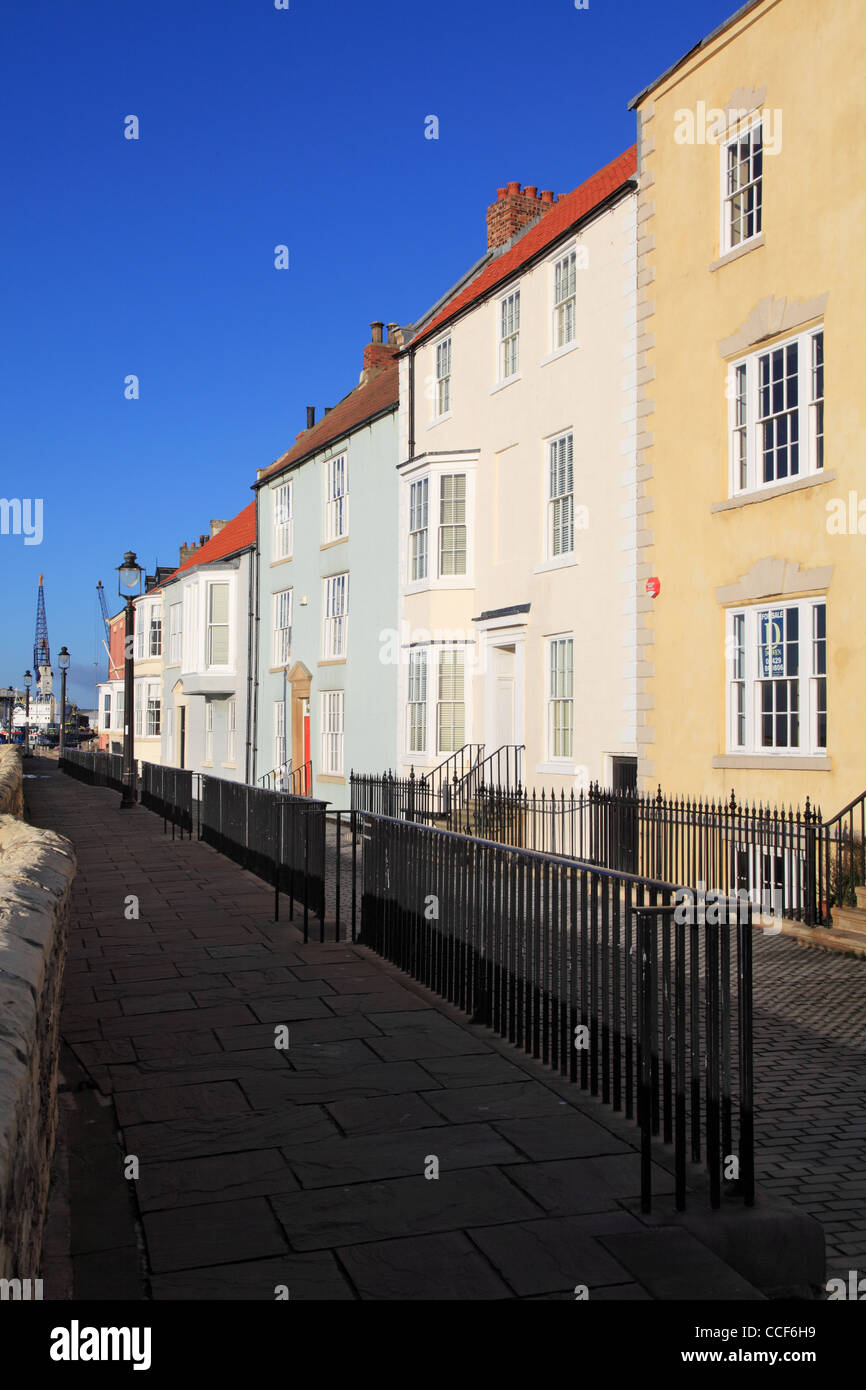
(371, 397)
(237, 534)
(570, 208)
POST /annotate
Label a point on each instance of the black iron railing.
(97, 768)
(839, 859)
(173, 793)
(280, 838)
(597, 974)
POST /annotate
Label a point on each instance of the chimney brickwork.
(515, 209)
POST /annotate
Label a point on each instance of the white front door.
(503, 731)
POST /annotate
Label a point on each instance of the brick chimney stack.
(188, 548)
(515, 209)
(378, 353)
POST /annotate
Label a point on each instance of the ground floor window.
(560, 697)
(332, 733)
(451, 701)
(279, 733)
(777, 678)
(231, 730)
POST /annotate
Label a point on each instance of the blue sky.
(155, 257)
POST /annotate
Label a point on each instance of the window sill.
(560, 769)
(559, 352)
(440, 420)
(501, 385)
(205, 762)
(329, 545)
(231, 765)
(333, 661)
(438, 585)
(744, 499)
(734, 255)
(561, 562)
(784, 762)
(331, 777)
(286, 560)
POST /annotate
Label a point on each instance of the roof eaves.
(541, 254)
(274, 469)
(702, 43)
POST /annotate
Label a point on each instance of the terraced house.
(751, 467)
(207, 607)
(327, 592)
(518, 520)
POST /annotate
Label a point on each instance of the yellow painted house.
(752, 495)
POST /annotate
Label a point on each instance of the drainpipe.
(411, 403)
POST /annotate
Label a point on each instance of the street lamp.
(63, 663)
(27, 679)
(128, 587)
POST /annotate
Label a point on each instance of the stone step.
(860, 893)
(851, 921)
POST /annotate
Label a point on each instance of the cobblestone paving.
(810, 1083)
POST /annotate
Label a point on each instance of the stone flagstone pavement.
(304, 1169)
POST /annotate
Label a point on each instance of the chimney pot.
(311, 416)
(500, 194)
(513, 188)
(392, 333)
(328, 409)
(531, 191)
(546, 195)
(377, 331)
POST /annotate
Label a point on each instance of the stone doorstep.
(835, 938)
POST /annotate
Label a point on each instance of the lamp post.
(128, 587)
(27, 679)
(63, 663)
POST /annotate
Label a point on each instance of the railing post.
(645, 1010)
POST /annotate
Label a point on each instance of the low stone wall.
(36, 872)
(11, 784)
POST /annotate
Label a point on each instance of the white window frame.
(283, 500)
(442, 377)
(211, 626)
(335, 619)
(557, 698)
(337, 498)
(153, 710)
(169, 733)
(440, 703)
(106, 710)
(745, 679)
(333, 708)
(283, 610)
(154, 632)
(443, 526)
(208, 731)
(279, 733)
(419, 510)
(138, 705)
(175, 633)
(231, 730)
(745, 423)
(417, 696)
(561, 301)
(508, 351)
(746, 131)
(559, 523)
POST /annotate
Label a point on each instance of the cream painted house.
(517, 515)
(751, 215)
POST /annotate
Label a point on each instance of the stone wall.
(11, 797)
(36, 872)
